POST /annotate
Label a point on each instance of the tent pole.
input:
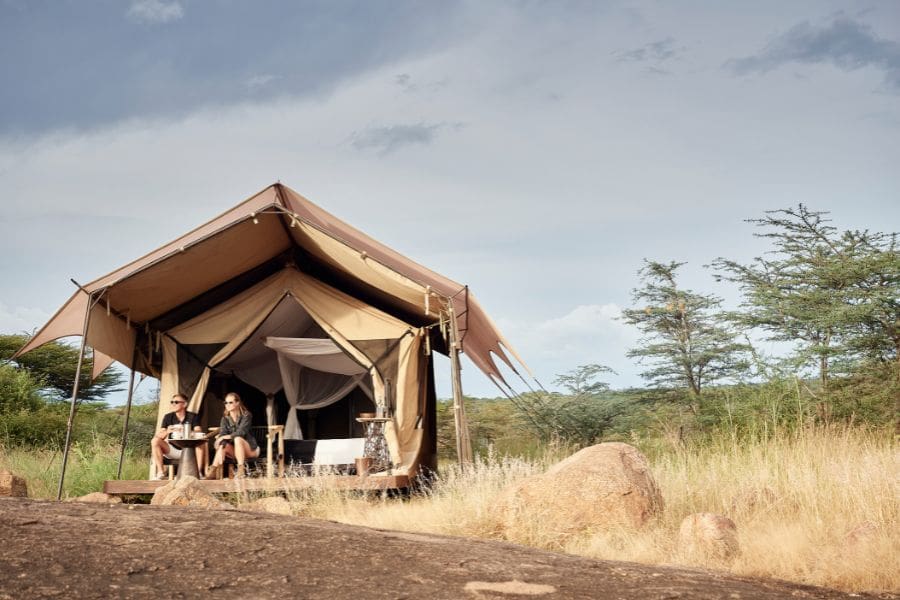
(127, 411)
(463, 442)
(84, 334)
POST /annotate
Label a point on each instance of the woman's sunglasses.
(229, 402)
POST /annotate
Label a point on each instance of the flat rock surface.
(75, 550)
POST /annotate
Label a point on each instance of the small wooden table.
(187, 466)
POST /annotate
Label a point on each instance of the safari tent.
(309, 318)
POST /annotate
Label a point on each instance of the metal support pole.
(463, 441)
(84, 334)
(127, 412)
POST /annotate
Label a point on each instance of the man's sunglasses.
(176, 402)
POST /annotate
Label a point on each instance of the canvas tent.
(290, 301)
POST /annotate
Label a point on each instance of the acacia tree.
(686, 340)
(835, 295)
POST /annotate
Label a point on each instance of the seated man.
(174, 421)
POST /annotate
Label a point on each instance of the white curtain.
(314, 373)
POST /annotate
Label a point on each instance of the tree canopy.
(53, 366)
(835, 295)
(686, 342)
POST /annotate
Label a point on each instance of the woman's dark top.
(239, 429)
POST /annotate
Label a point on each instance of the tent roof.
(242, 246)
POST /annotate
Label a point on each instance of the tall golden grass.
(820, 507)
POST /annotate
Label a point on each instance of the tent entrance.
(288, 367)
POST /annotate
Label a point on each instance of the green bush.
(19, 390)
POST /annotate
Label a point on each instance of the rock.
(708, 534)
(12, 486)
(600, 487)
(186, 492)
(271, 504)
(98, 497)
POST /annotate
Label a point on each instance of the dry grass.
(796, 500)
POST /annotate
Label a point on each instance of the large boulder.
(708, 535)
(186, 492)
(600, 487)
(12, 486)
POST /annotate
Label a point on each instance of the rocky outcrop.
(186, 492)
(12, 486)
(600, 487)
(708, 534)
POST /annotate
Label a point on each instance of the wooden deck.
(264, 484)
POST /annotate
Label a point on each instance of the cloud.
(588, 333)
(659, 51)
(844, 43)
(154, 12)
(405, 82)
(21, 319)
(388, 139)
(84, 67)
(258, 82)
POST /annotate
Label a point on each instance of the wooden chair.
(270, 452)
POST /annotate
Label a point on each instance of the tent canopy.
(274, 231)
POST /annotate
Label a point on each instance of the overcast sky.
(537, 151)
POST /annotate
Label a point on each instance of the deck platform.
(265, 484)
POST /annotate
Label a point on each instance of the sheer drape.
(307, 383)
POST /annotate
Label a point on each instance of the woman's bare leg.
(242, 452)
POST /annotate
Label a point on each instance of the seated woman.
(234, 439)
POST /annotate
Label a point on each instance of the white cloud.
(258, 82)
(589, 333)
(155, 11)
(21, 319)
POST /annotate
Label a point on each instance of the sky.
(536, 151)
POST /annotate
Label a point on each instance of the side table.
(187, 465)
(376, 446)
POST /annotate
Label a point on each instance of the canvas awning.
(170, 282)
